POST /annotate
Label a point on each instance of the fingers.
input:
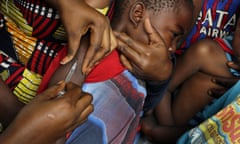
(224, 82)
(95, 51)
(73, 93)
(216, 93)
(106, 37)
(113, 40)
(85, 106)
(73, 45)
(52, 92)
(82, 106)
(102, 43)
(153, 35)
(126, 63)
(124, 41)
(128, 47)
(233, 65)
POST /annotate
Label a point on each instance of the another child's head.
(170, 18)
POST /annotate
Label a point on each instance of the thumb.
(53, 91)
(153, 35)
(73, 45)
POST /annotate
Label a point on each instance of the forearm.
(9, 105)
(24, 133)
(14, 134)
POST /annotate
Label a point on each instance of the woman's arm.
(48, 117)
(9, 103)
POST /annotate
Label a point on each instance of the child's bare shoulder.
(205, 47)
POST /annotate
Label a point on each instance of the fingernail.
(230, 63)
(62, 62)
(96, 64)
(85, 72)
(59, 83)
(88, 71)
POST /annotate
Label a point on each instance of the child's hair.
(155, 5)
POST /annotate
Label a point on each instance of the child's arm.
(185, 67)
(201, 56)
(226, 83)
(78, 77)
(194, 60)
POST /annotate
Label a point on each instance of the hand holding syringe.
(69, 76)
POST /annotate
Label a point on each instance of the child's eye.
(175, 34)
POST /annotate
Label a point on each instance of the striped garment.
(36, 36)
(216, 20)
(33, 44)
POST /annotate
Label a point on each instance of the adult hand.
(152, 61)
(48, 117)
(235, 65)
(225, 83)
(78, 18)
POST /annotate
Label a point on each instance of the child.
(222, 123)
(117, 95)
(187, 100)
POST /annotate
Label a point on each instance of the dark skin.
(78, 77)
(224, 82)
(79, 16)
(143, 60)
(189, 77)
(48, 117)
(10, 104)
(147, 30)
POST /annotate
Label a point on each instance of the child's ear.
(136, 13)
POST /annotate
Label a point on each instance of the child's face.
(170, 25)
(173, 26)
